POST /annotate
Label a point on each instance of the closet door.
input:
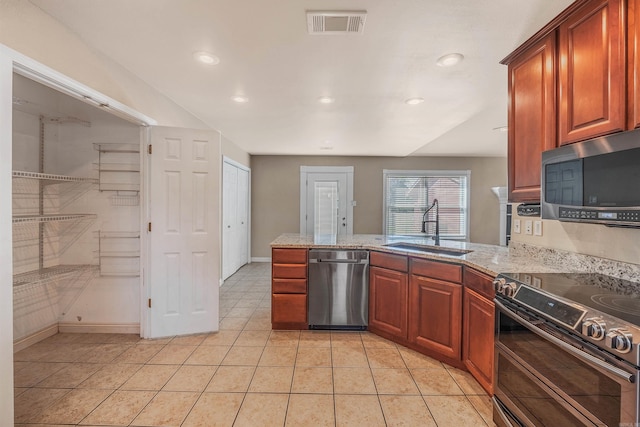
(229, 218)
(183, 259)
(243, 218)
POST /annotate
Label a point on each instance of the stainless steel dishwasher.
(338, 289)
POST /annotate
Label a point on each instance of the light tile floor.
(244, 375)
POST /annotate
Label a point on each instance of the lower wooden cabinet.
(388, 301)
(435, 316)
(478, 333)
(289, 309)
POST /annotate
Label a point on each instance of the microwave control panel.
(593, 215)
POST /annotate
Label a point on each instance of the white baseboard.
(100, 328)
(36, 337)
(261, 259)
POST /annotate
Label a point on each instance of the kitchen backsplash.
(618, 244)
(574, 261)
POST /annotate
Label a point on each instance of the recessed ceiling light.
(240, 99)
(326, 100)
(414, 101)
(326, 148)
(450, 59)
(206, 58)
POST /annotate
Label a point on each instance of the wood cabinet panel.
(388, 293)
(289, 286)
(289, 308)
(478, 333)
(532, 117)
(289, 271)
(437, 270)
(633, 64)
(479, 282)
(435, 316)
(591, 50)
(289, 256)
(390, 261)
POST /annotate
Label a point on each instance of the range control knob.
(498, 285)
(594, 327)
(619, 339)
(510, 289)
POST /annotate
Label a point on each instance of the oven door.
(544, 377)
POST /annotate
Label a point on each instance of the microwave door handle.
(569, 348)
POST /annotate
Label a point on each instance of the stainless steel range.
(566, 350)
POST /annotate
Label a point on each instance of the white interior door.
(243, 218)
(229, 218)
(313, 181)
(183, 264)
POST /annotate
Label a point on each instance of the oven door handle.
(569, 348)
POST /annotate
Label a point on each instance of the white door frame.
(12, 61)
(304, 171)
(232, 162)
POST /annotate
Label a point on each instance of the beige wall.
(275, 198)
(620, 244)
(232, 151)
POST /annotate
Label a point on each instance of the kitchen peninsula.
(437, 300)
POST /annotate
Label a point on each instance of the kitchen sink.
(414, 247)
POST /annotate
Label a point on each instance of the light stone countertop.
(490, 259)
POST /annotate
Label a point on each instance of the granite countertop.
(490, 259)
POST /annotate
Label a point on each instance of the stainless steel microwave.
(594, 181)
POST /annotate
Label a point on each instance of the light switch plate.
(537, 228)
(528, 227)
(516, 226)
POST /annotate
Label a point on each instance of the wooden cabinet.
(633, 64)
(435, 308)
(478, 327)
(388, 294)
(532, 117)
(289, 288)
(591, 51)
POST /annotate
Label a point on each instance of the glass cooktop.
(616, 297)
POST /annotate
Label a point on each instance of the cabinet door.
(388, 301)
(435, 315)
(633, 65)
(591, 48)
(289, 310)
(532, 118)
(478, 333)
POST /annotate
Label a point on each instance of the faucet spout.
(436, 237)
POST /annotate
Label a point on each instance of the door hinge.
(150, 149)
(149, 302)
(149, 227)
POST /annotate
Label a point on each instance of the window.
(408, 194)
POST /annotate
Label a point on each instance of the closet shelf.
(119, 167)
(51, 178)
(119, 254)
(120, 235)
(52, 273)
(25, 219)
(117, 148)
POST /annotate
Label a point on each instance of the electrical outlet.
(516, 226)
(528, 227)
(537, 228)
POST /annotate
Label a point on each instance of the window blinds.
(407, 197)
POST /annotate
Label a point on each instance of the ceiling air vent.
(336, 22)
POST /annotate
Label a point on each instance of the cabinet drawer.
(437, 270)
(289, 256)
(479, 282)
(289, 286)
(392, 262)
(288, 308)
(289, 271)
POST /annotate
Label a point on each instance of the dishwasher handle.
(338, 261)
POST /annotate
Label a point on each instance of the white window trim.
(430, 172)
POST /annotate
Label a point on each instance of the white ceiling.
(266, 55)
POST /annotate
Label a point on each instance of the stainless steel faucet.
(436, 237)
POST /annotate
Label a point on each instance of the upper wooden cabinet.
(591, 91)
(532, 117)
(633, 64)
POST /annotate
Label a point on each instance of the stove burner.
(619, 303)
